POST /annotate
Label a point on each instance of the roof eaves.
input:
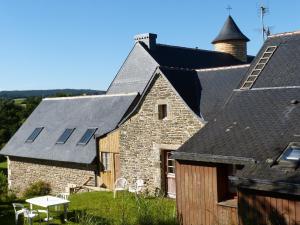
(266, 185)
(186, 156)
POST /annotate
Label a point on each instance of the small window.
(171, 164)
(87, 136)
(34, 134)
(292, 153)
(65, 136)
(162, 111)
(105, 157)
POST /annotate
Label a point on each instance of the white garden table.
(47, 201)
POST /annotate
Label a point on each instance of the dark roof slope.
(230, 31)
(192, 58)
(205, 91)
(55, 115)
(217, 86)
(140, 64)
(255, 125)
(135, 73)
(283, 67)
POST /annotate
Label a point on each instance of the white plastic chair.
(19, 209)
(29, 215)
(139, 184)
(120, 185)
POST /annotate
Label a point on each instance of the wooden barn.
(243, 166)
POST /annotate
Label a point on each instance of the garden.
(93, 208)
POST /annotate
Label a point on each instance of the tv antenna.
(265, 30)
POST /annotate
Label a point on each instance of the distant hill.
(47, 93)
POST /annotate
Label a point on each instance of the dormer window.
(162, 111)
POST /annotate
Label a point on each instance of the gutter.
(185, 156)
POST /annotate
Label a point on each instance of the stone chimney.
(231, 40)
(148, 39)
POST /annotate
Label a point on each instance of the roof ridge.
(284, 34)
(176, 68)
(223, 68)
(90, 96)
(195, 49)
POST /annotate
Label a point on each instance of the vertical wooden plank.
(206, 195)
(178, 194)
(202, 180)
(292, 212)
(297, 212)
(187, 219)
(198, 181)
(285, 208)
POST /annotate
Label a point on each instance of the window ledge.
(229, 203)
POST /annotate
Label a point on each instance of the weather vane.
(229, 9)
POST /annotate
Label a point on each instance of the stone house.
(177, 99)
(177, 90)
(243, 166)
(56, 143)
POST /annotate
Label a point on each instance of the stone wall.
(236, 48)
(144, 136)
(23, 172)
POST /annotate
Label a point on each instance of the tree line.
(13, 114)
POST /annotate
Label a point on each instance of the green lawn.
(125, 209)
(3, 165)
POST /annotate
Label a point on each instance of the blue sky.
(47, 44)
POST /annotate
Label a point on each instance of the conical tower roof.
(230, 31)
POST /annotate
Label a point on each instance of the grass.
(3, 167)
(125, 209)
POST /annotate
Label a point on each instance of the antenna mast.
(265, 31)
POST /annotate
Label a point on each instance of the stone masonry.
(143, 136)
(236, 48)
(23, 172)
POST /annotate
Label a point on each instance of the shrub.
(38, 188)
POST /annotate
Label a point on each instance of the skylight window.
(34, 134)
(292, 153)
(65, 136)
(87, 136)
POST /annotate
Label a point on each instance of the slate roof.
(255, 126)
(55, 115)
(141, 63)
(283, 67)
(230, 31)
(192, 58)
(205, 91)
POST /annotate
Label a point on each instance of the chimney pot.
(149, 39)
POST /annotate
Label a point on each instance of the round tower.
(231, 40)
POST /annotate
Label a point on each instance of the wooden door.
(117, 166)
(107, 172)
(169, 167)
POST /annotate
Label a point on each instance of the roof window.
(87, 136)
(34, 134)
(65, 136)
(290, 156)
(292, 152)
